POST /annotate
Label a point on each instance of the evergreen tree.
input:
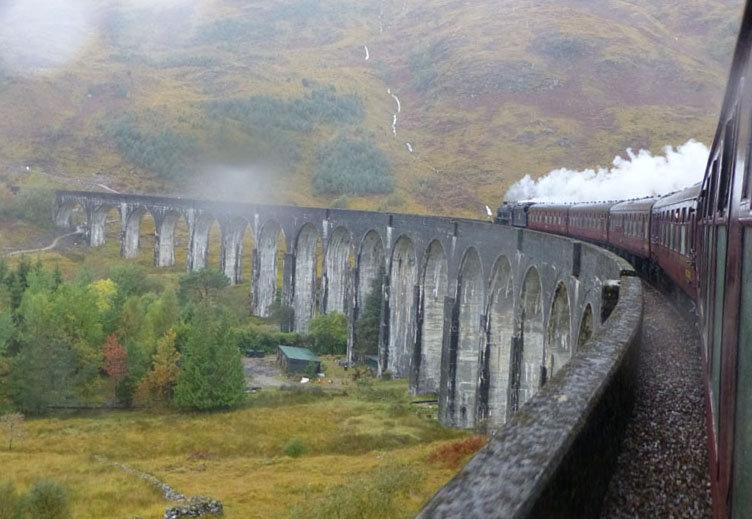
(202, 285)
(211, 375)
(42, 375)
(369, 321)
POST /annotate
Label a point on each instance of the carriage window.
(672, 236)
(720, 280)
(710, 210)
(684, 240)
(727, 165)
(664, 232)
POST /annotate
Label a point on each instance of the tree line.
(130, 339)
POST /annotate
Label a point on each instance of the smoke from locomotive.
(640, 174)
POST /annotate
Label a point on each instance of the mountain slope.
(223, 98)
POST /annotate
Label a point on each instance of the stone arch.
(531, 320)
(500, 333)
(64, 216)
(198, 253)
(471, 295)
(267, 274)
(370, 262)
(558, 343)
(403, 277)
(214, 247)
(434, 286)
(231, 255)
(305, 282)
(339, 254)
(165, 241)
(131, 242)
(104, 223)
(586, 326)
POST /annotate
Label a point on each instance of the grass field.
(356, 440)
(238, 456)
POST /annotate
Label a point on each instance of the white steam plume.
(639, 175)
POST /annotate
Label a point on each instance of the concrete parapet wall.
(553, 459)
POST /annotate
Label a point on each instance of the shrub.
(295, 448)
(166, 153)
(33, 205)
(352, 167)
(47, 500)
(453, 454)
(371, 496)
(10, 502)
(323, 105)
(329, 333)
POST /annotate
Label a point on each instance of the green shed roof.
(291, 352)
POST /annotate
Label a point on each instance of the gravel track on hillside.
(662, 470)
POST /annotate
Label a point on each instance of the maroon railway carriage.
(724, 271)
(672, 237)
(629, 227)
(548, 218)
(589, 221)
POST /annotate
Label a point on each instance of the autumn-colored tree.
(115, 358)
(158, 385)
(116, 368)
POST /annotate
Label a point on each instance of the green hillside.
(275, 101)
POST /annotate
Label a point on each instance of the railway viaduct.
(484, 316)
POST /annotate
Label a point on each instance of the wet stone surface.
(662, 470)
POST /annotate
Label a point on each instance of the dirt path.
(662, 470)
(43, 249)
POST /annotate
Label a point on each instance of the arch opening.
(198, 255)
(236, 239)
(172, 233)
(472, 299)
(532, 336)
(434, 285)
(403, 277)
(368, 291)
(270, 251)
(339, 254)
(586, 327)
(558, 349)
(71, 215)
(306, 283)
(104, 226)
(131, 243)
(214, 248)
(500, 333)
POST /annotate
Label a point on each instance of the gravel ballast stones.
(662, 470)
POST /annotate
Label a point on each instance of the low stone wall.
(554, 458)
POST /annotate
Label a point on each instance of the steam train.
(701, 239)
